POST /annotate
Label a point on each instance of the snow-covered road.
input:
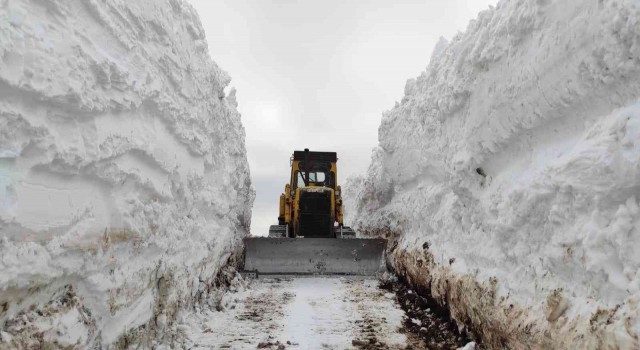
(301, 313)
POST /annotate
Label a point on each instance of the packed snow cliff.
(508, 177)
(124, 184)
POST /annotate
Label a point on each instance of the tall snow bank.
(509, 176)
(124, 184)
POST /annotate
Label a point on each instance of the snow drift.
(508, 177)
(124, 184)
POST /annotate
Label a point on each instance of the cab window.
(299, 180)
(320, 174)
(316, 178)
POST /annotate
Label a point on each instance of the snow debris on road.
(426, 324)
(508, 177)
(124, 183)
(300, 313)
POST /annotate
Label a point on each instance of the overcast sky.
(319, 74)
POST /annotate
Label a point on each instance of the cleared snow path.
(303, 313)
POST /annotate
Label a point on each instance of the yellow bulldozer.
(310, 237)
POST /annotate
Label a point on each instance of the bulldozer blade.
(314, 256)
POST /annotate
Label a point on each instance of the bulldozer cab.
(313, 169)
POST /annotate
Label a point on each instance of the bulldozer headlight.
(293, 193)
(337, 193)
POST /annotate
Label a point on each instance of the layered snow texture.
(124, 184)
(515, 159)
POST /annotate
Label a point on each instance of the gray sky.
(319, 74)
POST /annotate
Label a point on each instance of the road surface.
(301, 313)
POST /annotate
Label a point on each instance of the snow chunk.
(441, 45)
(469, 346)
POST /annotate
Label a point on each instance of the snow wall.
(508, 177)
(124, 184)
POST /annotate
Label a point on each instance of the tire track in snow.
(247, 319)
(379, 316)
